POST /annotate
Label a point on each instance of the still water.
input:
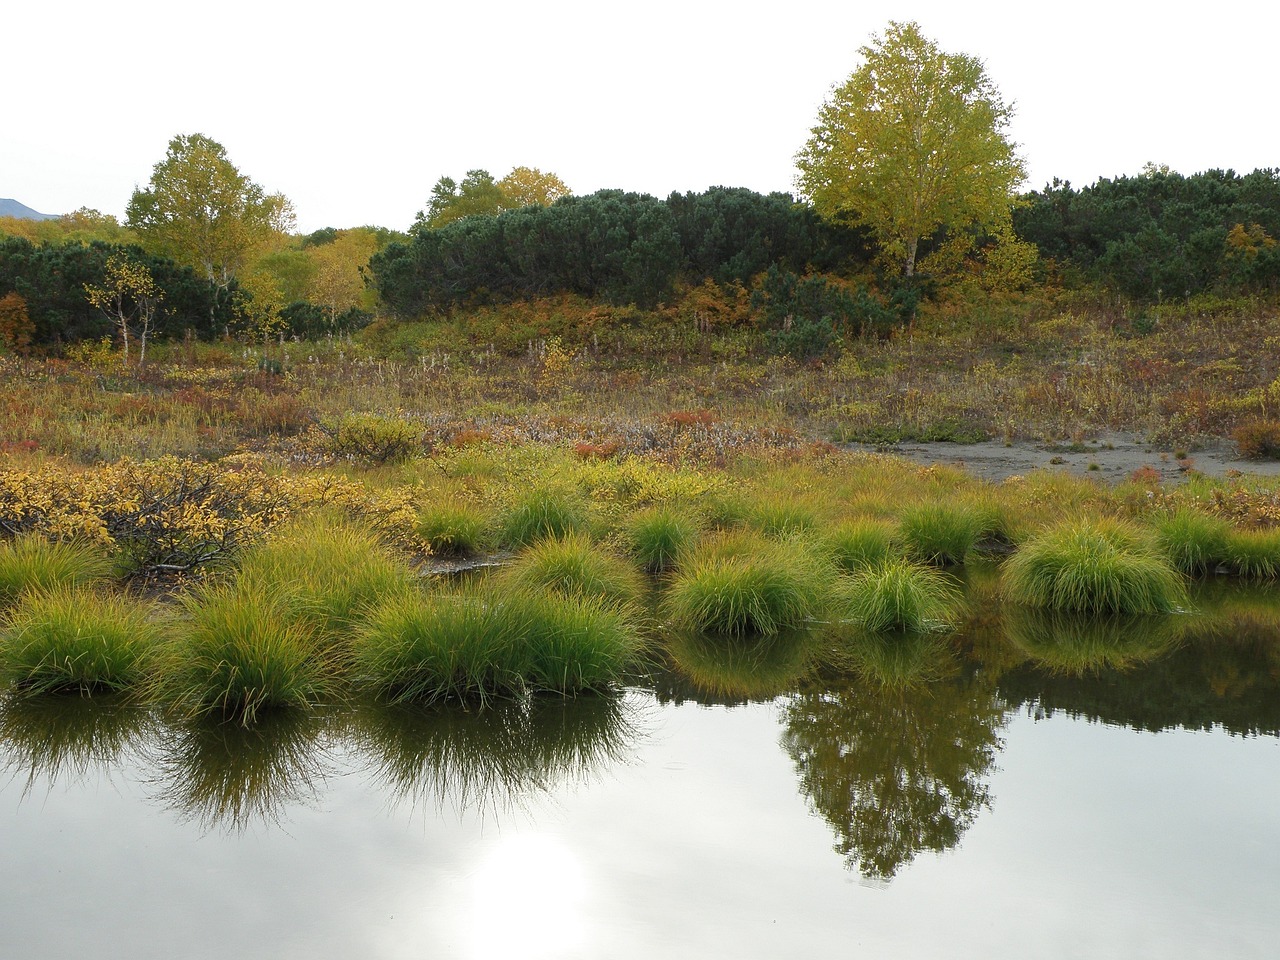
(1006, 791)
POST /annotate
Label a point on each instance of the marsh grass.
(1254, 554)
(30, 562)
(452, 529)
(77, 640)
(574, 566)
(541, 513)
(326, 572)
(898, 595)
(856, 544)
(942, 533)
(1093, 566)
(742, 583)
(1194, 542)
(483, 643)
(241, 653)
(781, 519)
(1081, 644)
(658, 536)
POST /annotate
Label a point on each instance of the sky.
(354, 111)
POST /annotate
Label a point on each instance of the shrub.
(859, 543)
(542, 513)
(31, 562)
(72, 639)
(451, 529)
(897, 594)
(1258, 439)
(1193, 541)
(575, 567)
(941, 533)
(242, 652)
(372, 438)
(657, 537)
(738, 584)
(1093, 566)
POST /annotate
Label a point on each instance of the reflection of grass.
(1077, 644)
(493, 758)
(47, 738)
(1093, 566)
(228, 775)
(752, 667)
(71, 639)
(895, 660)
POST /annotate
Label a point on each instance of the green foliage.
(658, 536)
(573, 566)
(942, 533)
(913, 143)
(804, 317)
(30, 563)
(480, 195)
(481, 645)
(241, 652)
(1194, 542)
(898, 595)
(540, 513)
(72, 639)
(744, 584)
(372, 438)
(1093, 566)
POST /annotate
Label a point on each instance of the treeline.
(613, 246)
(1162, 235)
(43, 286)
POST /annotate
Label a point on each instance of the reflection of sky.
(1101, 843)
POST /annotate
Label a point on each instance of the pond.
(1004, 791)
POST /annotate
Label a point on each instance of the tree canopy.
(480, 195)
(912, 143)
(200, 210)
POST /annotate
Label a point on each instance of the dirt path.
(1115, 456)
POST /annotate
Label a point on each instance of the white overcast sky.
(354, 110)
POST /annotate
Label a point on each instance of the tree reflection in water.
(897, 767)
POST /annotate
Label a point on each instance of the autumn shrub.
(74, 639)
(31, 563)
(1093, 566)
(372, 438)
(1258, 439)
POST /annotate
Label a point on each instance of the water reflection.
(896, 769)
(69, 738)
(230, 776)
(740, 669)
(1077, 644)
(895, 660)
(493, 759)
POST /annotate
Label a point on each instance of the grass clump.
(857, 544)
(451, 529)
(941, 534)
(1254, 553)
(30, 562)
(242, 652)
(540, 514)
(575, 567)
(781, 519)
(1093, 566)
(745, 584)
(328, 571)
(899, 595)
(72, 639)
(474, 645)
(1194, 542)
(658, 536)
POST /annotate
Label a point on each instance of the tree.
(530, 187)
(912, 143)
(480, 195)
(202, 211)
(130, 296)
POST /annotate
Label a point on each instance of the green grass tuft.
(452, 529)
(742, 583)
(30, 562)
(658, 536)
(1093, 566)
(942, 533)
(72, 639)
(899, 595)
(1254, 553)
(860, 543)
(1194, 542)
(576, 567)
(542, 513)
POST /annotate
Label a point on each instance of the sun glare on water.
(527, 900)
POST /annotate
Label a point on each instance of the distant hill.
(12, 208)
